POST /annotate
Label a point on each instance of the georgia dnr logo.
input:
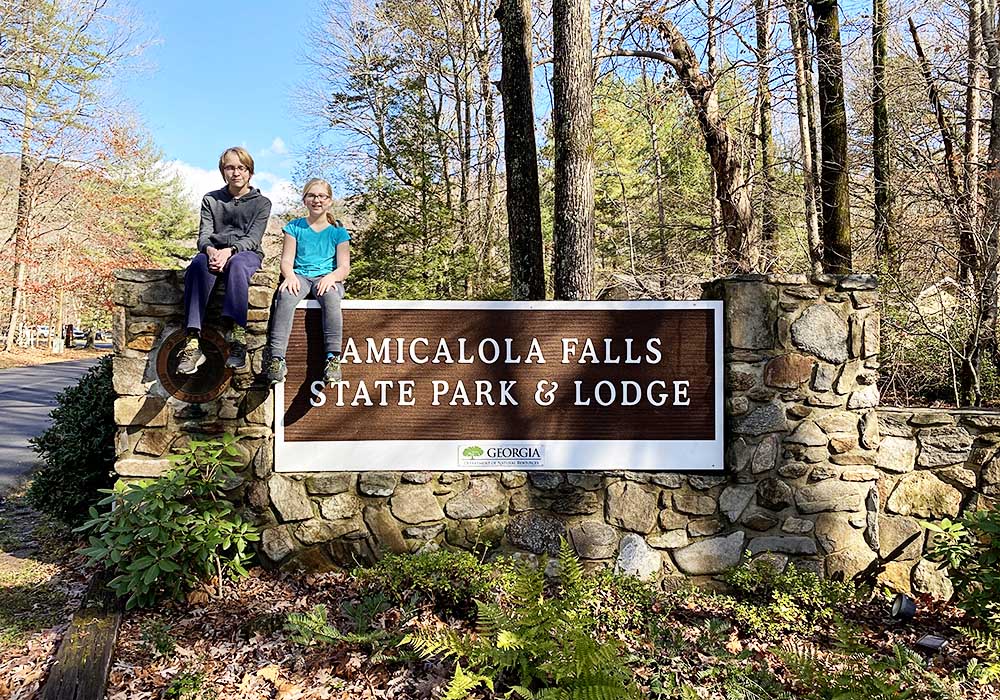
(501, 456)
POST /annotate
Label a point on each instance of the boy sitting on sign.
(315, 259)
(232, 226)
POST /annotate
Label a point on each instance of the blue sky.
(221, 74)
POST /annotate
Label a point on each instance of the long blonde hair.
(331, 219)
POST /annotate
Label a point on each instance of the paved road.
(27, 394)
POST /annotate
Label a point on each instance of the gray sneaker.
(191, 357)
(331, 373)
(276, 370)
(237, 348)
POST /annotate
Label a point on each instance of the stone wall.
(151, 423)
(805, 477)
(933, 464)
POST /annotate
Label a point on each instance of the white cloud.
(282, 192)
(277, 147)
(197, 181)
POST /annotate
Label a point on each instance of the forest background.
(633, 156)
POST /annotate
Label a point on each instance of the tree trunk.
(573, 130)
(956, 200)
(803, 90)
(836, 230)
(490, 148)
(716, 220)
(989, 254)
(737, 210)
(21, 222)
(524, 218)
(769, 214)
(880, 137)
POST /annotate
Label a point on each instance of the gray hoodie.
(228, 222)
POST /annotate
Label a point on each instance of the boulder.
(924, 495)
(536, 532)
(788, 371)
(820, 331)
(277, 543)
(340, 506)
(289, 498)
(636, 558)
(750, 315)
(483, 497)
(768, 418)
(630, 507)
(774, 494)
(734, 500)
(807, 433)
(594, 540)
(896, 529)
(830, 495)
(929, 578)
(415, 505)
(711, 556)
(897, 454)
(378, 483)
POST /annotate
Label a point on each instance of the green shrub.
(624, 605)
(77, 450)
(970, 549)
(538, 644)
(450, 580)
(769, 602)
(165, 536)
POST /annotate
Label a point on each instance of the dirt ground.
(41, 582)
(27, 357)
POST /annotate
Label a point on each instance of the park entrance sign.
(476, 386)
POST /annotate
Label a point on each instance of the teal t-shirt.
(315, 251)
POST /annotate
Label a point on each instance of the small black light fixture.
(903, 608)
(932, 643)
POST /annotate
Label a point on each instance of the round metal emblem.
(212, 376)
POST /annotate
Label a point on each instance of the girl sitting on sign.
(315, 259)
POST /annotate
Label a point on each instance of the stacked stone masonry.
(815, 471)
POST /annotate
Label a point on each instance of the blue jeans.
(199, 282)
(284, 313)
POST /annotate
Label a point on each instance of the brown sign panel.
(435, 379)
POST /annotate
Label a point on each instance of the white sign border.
(560, 455)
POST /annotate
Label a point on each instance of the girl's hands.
(290, 284)
(326, 284)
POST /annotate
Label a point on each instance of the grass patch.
(30, 600)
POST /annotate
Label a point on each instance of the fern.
(539, 646)
(462, 683)
(987, 645)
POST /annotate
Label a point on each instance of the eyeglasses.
(235, 169)
(317, 197)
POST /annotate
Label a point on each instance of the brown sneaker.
(191, 356)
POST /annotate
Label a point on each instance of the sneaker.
(237, 348)
(191, 356)
(276, 370)
(331, 373)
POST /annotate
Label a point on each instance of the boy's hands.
(218, 258)
(326, 284)
(290, 284)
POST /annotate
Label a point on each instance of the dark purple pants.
(199, 282)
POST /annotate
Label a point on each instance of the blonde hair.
(331, 219)
(242, 154)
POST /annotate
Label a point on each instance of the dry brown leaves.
(28, 357)
(238, 646)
